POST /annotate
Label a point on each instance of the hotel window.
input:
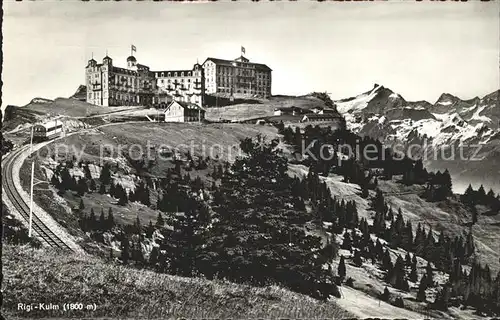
(168, 75)
(162, 75)
(182, 74)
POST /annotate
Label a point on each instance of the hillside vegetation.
(69, 107)
(32, 275)
(265, 108)
(16, 117)
(85, 147)
(40, 108)
(180, 136)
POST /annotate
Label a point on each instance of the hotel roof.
(230, 63)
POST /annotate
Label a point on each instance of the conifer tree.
(386, 295)
(468, 197)
(379, 202)
(447, 183)
(421, 289)
(386, 260)
(429, 276)
(92, 186)
(390, 214)
(413, 273)
(92, 220)
(125, 248)
(442, 298)
(357, 259)
(112, 190)
(408, 259)
(341, 269)
(481, 195)
(249, 208)
(418, 243)
(102, 189)
(81, 206)
(347, 242)
(150, 230)
(469, 245)
(474, 214)
(400, 274)
(102, 221)
(54, 180)
(390, 275)
(490, 196)
(105, 176)
(122, 195)
(153, 257)
(66, 181)
(110, 221)
(137, 254)
(137, 226)
(184, 243)
(159, 220)
(87, 172)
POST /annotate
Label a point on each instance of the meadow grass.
(43, 275)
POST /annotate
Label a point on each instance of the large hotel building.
(182, 85)
(237, 78)
(108, 85)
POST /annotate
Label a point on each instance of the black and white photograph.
(250, 160)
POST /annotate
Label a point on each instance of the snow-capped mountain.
(467, 125)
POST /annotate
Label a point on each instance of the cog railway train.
(47, 130)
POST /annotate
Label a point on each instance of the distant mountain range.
(449, 122)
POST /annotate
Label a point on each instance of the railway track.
(39, 227)
(44, 232)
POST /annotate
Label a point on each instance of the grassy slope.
(449, 216)
(69, 107)
(20, 117)
(180, 135)
(172, 134)
(265, 109)
(44, 276)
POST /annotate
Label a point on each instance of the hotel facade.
(182, 85)
(109, 85)
(237, 78)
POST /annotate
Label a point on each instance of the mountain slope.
(471, 126)
(81, 93)
(121, 291)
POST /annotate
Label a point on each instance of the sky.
(418, 49)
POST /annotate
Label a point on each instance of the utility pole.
(30, 231)
(102, 89)
(31, 185)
